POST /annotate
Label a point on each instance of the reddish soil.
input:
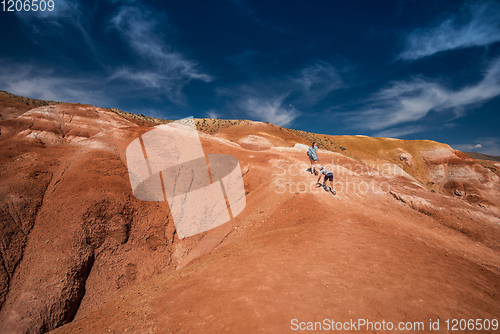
(413, 233)
(12, 105)
(10, 108)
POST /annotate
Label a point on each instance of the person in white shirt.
(313, 157)
(328, 174)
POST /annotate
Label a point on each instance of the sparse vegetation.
(144, 120)
(33, 103)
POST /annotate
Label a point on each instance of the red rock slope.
(412, 235)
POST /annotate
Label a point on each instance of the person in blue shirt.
(313, 157)
(328, 177)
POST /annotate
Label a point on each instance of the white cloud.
(276, 99)
(409, 101)
(243, 57)
(270, 110)
(400, 131)
(66, 22)
(61, 8)
(156, 67)
(317, 80)
(147, 79)
(26, 80)
(478, 24)
(164, 68)
(489, 146)
(213, 114)
(463, 147)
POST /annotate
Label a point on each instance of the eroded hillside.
(413, 233)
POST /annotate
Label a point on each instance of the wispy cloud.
(213, 114)
(65, 22)
(27, 80)
(61, 9)
(279, 100)
(316, 81)
(166, 69)
(152, 67)
(243, 58)
(270, 109)
(490, 146)
(410, 101)
(400, 131)
(477, 24)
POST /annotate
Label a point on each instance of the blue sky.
(403, 69)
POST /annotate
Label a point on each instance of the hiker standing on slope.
(313, 157)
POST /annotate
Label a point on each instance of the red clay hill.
(412, 235)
